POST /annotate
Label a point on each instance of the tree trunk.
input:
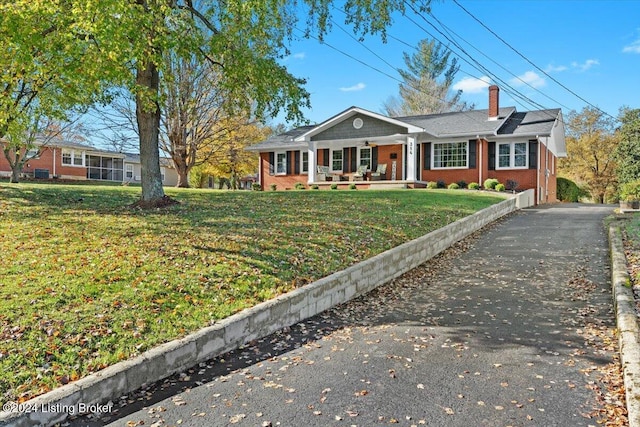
(15, 174)
(148, 118)
(182, 170)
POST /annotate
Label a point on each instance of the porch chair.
(323, 173)
(380, 173)
(360, 174)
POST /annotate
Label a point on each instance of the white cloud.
(353, 88)
(633, 47)
(473, 84)
(530, 78)
(586, 64)
(555, 68)
(299, 55)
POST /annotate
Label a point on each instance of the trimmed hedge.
(569, 191)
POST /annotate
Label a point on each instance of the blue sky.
(590, 47)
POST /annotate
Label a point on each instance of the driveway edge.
(252, 323)
(627, 323)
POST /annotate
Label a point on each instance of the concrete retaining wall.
(627, 322)
(258, 321)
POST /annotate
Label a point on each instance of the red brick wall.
(46, 161)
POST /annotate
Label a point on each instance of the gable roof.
(462, 124)
(352, 111)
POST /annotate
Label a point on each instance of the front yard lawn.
(86, 282)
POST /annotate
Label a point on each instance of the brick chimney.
(494, 103)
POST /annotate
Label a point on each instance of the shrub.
(315, 187)
(256, 186)
(334, 186)
(273, 187)
(300, 186)
(569, 191)
(441, 184)
(474, 186)
(453, 186)
(490, 184)
(462, 183)
(630, 191)
(500, 187)
(352, 186)
(432, 184)
(511, 185)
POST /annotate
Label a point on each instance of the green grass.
(86, 282)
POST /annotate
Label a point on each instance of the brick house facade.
(373, 150)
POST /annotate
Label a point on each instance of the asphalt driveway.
(512, 326)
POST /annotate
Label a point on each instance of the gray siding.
(371, 128)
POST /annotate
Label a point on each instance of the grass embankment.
(86, 281)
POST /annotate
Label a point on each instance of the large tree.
(48, 72)
(244, 40)
(591, 147)
(194, 117)
(628, 149)
(426, 85)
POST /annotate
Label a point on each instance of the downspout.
(480, 164)
(539, 168)
(259, 171)
(54, 162)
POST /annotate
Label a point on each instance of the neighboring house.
(74, 161)
(132, 170)
(69, 160)
(375, 151)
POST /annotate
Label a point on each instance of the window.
(33, 153)
(512, 155)
(281, 163)
(129, 171)
(72, 158)
(336, 160)
(365, 157)
(304, 162)
(450, 155)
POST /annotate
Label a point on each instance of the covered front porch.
(386, 161)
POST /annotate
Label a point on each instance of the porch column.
(411, 158)
(313, 156)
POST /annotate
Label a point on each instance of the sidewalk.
(509, 328)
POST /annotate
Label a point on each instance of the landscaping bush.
(273, 187)
(490, 184)
(315, 187)
(474, 186)
(300, 186)
(500, 187)
(462, 183)
(441, 184)
(256, 186)
(569, 191)
(630, 191)
(352, 186)
(453, 186)
(334, 186)
(511, 185)
(432, 184)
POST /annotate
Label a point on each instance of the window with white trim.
(304, 161)
(365, 157)
(450, 155)
(281, 163)
(336, 160)
(512, 155)
(72, 157)
(129, 170)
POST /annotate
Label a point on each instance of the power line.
(530, 62)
